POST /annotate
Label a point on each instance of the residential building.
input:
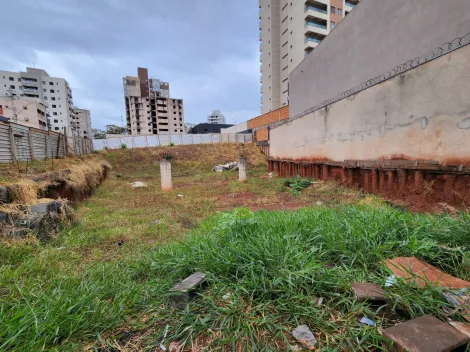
(82, 123)
(216, 117)
(206, 128)
(36, 85)
(289, 31)
(149, 107)
(24, 112)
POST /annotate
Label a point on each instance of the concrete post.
(242, 168)
(165, 173)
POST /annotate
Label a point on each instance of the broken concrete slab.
(226, 167)
(138, 184)
(368, 292)
(305, 336)
(426, 333)
(420, 273)
(184, 290)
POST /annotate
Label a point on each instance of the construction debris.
(226, 167)
(138, 184)
(367, 321)
(420, 273)
(305, 337)
(426, 333)
(185, 290)
(368, 292)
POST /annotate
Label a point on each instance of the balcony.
(30, 90)
(311, 43)
(318, 11)
(29, 81)
(316, 27)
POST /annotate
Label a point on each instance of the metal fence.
(162, 140)
(23, 143)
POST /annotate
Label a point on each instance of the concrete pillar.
(242, 169)
(419, 175)
(325, 173)
(381, 181)
(165, 172)
(374, 178)
(402, 175)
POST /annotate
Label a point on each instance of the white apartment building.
(24, 112)
(36, 84)
(290, 30)
(149, 108)
(82, 123)
(216, 118)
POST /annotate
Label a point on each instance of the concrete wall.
(422, 114)
(375, 37)
(240, 127)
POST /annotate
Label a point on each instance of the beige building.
(289, 31)
(36, 85)
(82, 123)
(24, 112)
(149, 107)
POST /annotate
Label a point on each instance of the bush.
(123, 146)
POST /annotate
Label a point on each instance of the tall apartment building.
(149, 107)
(290, 30)
(24, 112)
(216, 117)
(36, 84)
(82, 123)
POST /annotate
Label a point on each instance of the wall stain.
(424, 123)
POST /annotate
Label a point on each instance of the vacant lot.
(103, 283)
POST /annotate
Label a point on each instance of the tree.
(98, 134)
(113, 129)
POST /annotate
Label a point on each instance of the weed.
(171, 144)
(123, 146)
(118, 175)
(297, 184)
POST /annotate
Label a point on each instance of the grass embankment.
(111, 272)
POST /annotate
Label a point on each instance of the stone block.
(368, 292)
(428, 334)
(42, 208)
(4, 195)
(185, 290)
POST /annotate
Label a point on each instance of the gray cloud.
(206, 49)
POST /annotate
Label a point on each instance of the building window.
(54, 113)
(57, 128)
(12, 87)
(333, 25)
(11, 78)
(52, 98)
(54, 106)
(333, 9)
(45, 98)
(56, 121)
(44, 90)
(51, 83)
(52, 90)
(340, 11)
(43, 82)
(19, 80)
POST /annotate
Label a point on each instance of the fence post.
(191, 139)
(158, 138)
(31, 144)
(169, 139)
(66, 145)
(58, 145)
(181, 139)
(146, 141)
(212, 138)
(48, 151)
(12, 143)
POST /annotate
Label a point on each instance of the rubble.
(226, 167)
(305, 337)
(184, 290)
(138, 184)
(420, 273)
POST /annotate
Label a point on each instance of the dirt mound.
(187, 156)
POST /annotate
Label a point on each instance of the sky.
(208, 50)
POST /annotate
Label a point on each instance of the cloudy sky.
(206, 49)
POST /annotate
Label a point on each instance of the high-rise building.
(24, 112)
(36, 85)
(216, 117)
(290, 30)
(149, 107)
(82, 123)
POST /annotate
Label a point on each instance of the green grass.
(82, 289)
(273, 264)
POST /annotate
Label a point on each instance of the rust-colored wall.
(143, 75)
(338, 4)
(262, 135)
(270, 117)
